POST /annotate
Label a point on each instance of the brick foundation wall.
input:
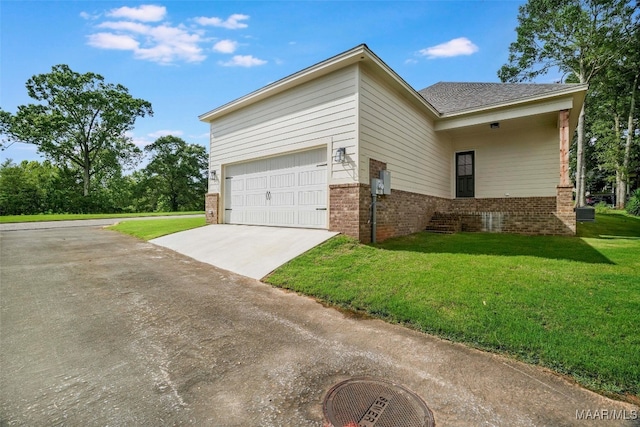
(505, 204)
(521, 215)
(402, 212)
(211, 208)
(398, 213)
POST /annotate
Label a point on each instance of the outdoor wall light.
(214, 175)
(341, 155)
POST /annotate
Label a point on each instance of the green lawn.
(152, 228)
(568, 303)
(68, 217)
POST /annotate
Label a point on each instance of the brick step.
(437, 229)
(444, 223)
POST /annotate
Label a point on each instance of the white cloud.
(88, 16)
(143, 31)
(145, 13)
(133, 27)
(138, 141)
(231, 23)
(165, 132)
(225, 46)
(162, 44)
(455, 47)
(113, 41)
(243, 61)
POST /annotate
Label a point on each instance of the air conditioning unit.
(585, 214)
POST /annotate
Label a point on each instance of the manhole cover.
(368, 402)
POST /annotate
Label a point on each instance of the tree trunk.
(580, 167)
(620, 189)
(86, 177)
(622, 185)
(619, 184)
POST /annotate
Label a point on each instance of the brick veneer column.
(344, 209)
(211, 208)
(564, 208)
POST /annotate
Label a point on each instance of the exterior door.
(288, 190)
(465, 171)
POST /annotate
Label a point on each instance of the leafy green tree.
(176, 174)
(612, 123)
(80, 122)
(579, 37)
(29, 188)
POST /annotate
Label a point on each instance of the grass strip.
(71, 217)
(152, 228)
(567, 303)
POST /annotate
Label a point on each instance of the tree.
(613, 120)
(177, 172)
(579, 37)
(80, 122)
(30, 187)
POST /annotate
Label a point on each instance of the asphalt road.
(98, 328)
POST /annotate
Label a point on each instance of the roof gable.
(358, 54)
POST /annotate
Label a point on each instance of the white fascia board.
(505, 113)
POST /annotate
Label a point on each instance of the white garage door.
(288, 191)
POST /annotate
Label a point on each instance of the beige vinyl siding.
(393, 131)
(320, 112)
(518, 163)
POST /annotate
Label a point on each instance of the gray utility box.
(381, 186)
(385, 177)
(585, 214)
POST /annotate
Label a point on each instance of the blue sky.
(188, 57)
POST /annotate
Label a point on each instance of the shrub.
(602, 207)
(633, 205)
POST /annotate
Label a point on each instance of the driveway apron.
(98, 328)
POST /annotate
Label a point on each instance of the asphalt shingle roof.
(455, 97)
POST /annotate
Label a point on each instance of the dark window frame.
(465, 184)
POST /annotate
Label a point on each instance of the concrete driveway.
(252, 251)
(98, 328)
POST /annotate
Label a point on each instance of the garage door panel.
(283, 162)
(285, 218)
(256, 183)
(282, 198)
(312, 198)
(315, 177)
(255, 217)
(237, 200)
(253, 200)
(289, 190)
(234, 216)
(312, 218)
(282, 180)
(237, 185)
